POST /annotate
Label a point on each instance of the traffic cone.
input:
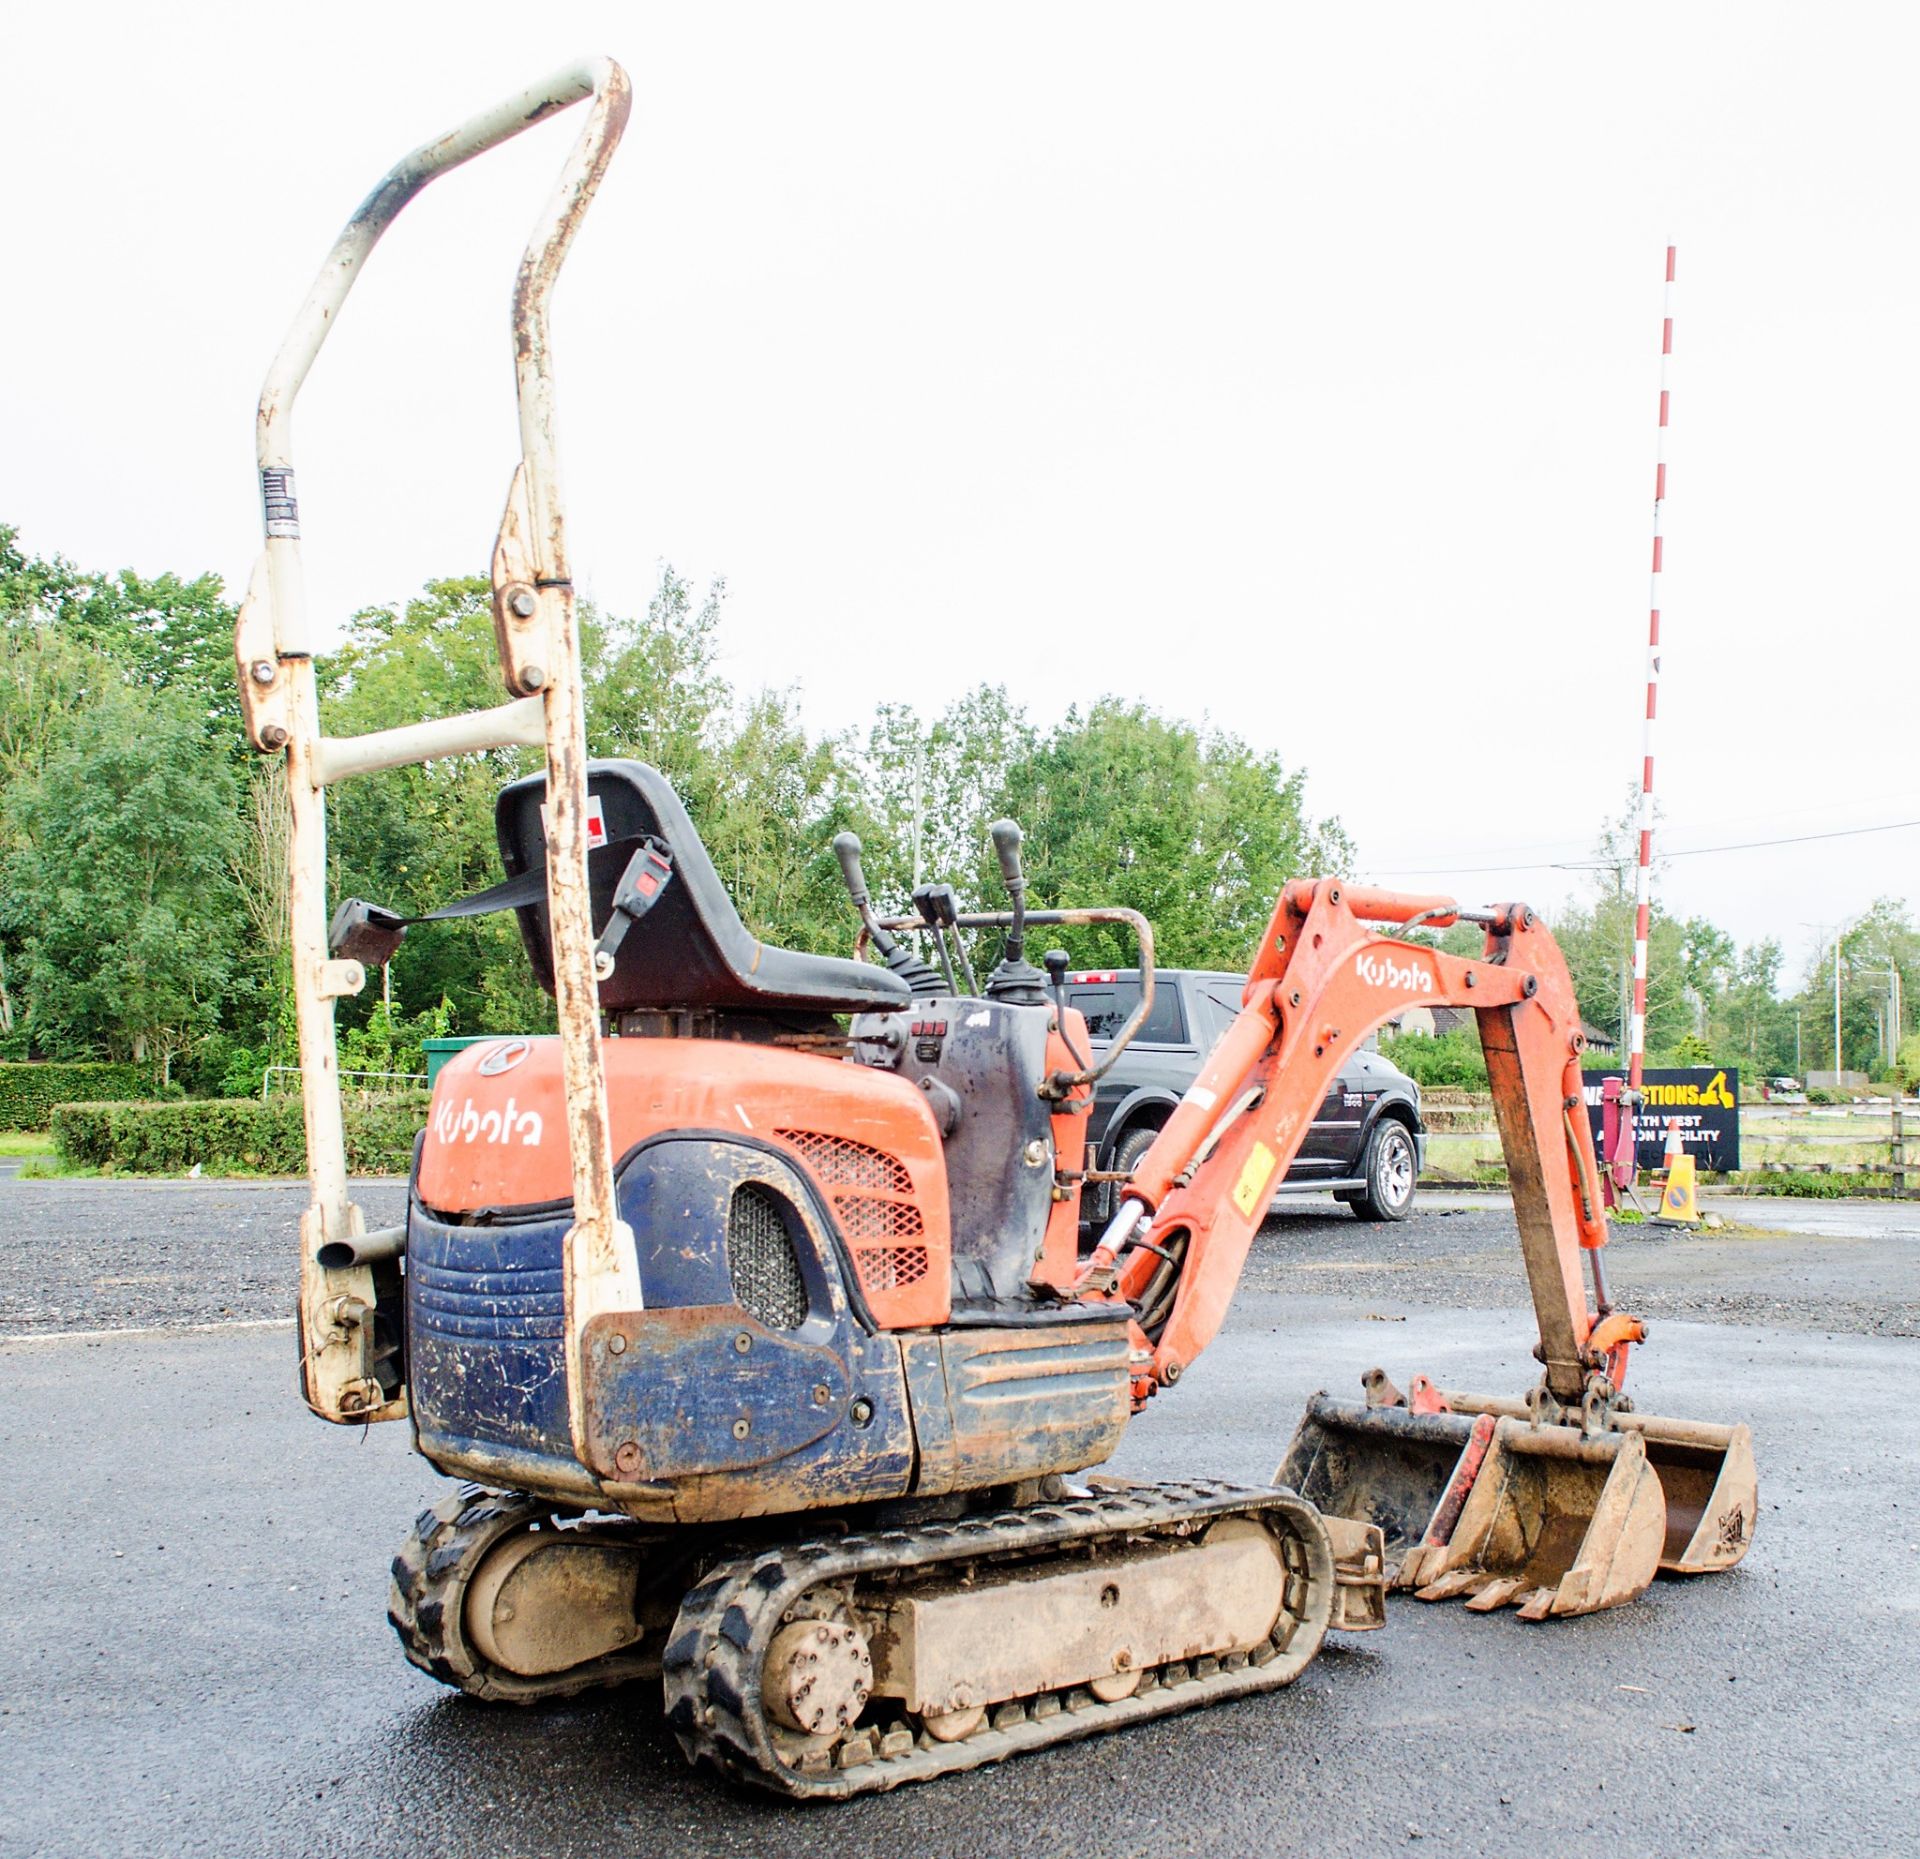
(1680, 1197)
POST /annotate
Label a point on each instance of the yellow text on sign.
(1251, 1189)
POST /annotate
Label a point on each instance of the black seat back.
(690, 951)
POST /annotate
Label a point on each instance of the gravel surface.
(118, 1255)
(1857, 1271)
(195, 1658)
(87, 1255)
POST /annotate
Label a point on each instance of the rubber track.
(712, 1667)
(427, 1599)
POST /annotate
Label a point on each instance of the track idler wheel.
(498, 1596)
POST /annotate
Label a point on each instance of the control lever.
(1006, 842)
(895, 954)
(1016, 980)
(939, 908)
(1056, 961)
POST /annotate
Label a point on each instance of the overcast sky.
(1294, 368)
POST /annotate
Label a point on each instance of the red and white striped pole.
(1643, 882)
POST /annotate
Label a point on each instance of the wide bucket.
(1407, 1474)
(1558, 1522)
(1706, 1476)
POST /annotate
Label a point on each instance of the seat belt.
(371, 933)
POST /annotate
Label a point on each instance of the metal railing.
(538, 638)
(296, 1071)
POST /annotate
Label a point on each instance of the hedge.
(30, 1091)
(232, 1135)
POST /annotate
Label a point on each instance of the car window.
(1107, 1006)
(1224, 998)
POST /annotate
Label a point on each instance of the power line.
(1747, 845)
(1750, 845)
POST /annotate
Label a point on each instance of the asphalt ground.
(195, 1659)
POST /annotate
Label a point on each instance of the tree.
(1195, 830)
(928, 792)
(166, 633)
(118, 876)
(653, 692)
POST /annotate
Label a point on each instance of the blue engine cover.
(486, 1325)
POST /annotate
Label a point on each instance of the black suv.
(1368, 1143)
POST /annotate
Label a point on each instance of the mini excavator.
(751, 1305)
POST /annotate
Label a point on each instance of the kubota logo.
(504, 1058)
(505, 1124)
(1382, 971)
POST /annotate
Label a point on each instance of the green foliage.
(1192, 828)
(29, 1094)
(1906, 1065)
(1453, 1058)
(117, 878)
(1793, 1185)
(393, 1043)
(232, 1135)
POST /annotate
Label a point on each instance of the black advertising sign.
(1703, 1099)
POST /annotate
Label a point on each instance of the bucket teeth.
(1479, 1502)
(1573, 1523)
(1452, 1587)
(1494, 1594)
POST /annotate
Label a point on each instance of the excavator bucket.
(1706, 1475)
(1558, 1522)
(1711, 1490)
(1477, 1502)
(1407, 1473)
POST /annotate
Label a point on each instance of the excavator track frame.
(714, 1666)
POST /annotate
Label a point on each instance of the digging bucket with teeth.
(1706, 1477)
(1478, 1502)
(1407, 1473)
(1558, 1522)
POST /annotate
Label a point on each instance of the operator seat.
(690, 951)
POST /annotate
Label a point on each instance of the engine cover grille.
(761, 1261)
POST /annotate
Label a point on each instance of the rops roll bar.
(536, 631)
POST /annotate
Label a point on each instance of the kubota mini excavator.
(751, 1302)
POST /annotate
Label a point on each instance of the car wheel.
(1390, 1172)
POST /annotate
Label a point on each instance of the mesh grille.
(885, 1236)
(842, 1163)
(761, 1261)
(864, 1221)
(889, 1268)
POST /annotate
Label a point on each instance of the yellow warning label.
(1250, 1191)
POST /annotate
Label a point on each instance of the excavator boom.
(1563, 1503)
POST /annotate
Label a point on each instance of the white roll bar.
(539, 642)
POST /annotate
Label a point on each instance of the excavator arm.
(1559, 1504)
(1322, 982)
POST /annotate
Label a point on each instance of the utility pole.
(1839, 938)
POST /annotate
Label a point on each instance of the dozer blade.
(1408, 1474)
(1558, 1522)
(1706, 1476)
